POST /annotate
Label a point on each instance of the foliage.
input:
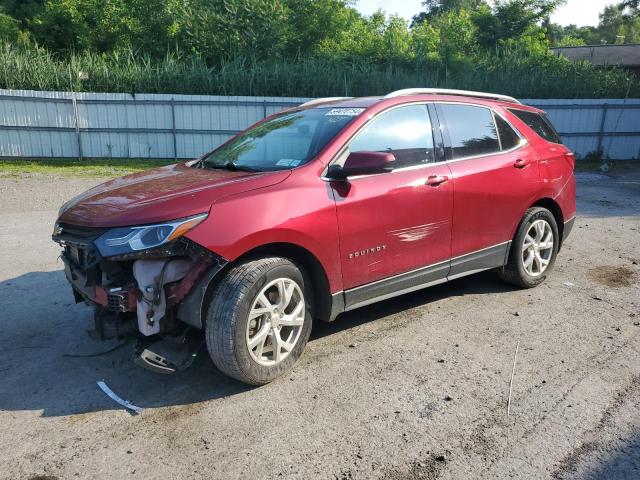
(435, 8)
(619, 23)
(9, 28)
(510, 69)
(300, 47)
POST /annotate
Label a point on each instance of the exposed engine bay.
(154, 295)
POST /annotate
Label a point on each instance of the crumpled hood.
(165, 193)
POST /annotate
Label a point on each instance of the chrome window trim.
(368, 122)
(523, 141)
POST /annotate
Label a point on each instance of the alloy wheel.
(275, 321)
(537, 248)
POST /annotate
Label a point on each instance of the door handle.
(521, 163)
(435, 180)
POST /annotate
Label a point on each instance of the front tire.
(258, 321)
(533, 250)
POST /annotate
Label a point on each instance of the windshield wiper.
(229, 166)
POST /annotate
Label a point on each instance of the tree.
(616, 27)
(222, 29)
(105, 25)
(458, 34)
(434, 8)
(310, 22)
(9, 28)
(512, 19)
(375, 38)
(22, 10)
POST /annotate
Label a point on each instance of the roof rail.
(316, 101)
(446, 91)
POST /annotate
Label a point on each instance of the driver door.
(395, 228)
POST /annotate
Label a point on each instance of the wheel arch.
(551, 205)
(322, 300)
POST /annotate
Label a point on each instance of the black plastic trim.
(485, 259)
(568, 226)
(337, 306)
(390, 287)
(192, 309)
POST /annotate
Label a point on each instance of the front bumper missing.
(110, 285)
(83, 282)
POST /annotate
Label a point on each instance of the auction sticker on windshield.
(345, 112)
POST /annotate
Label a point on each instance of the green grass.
(24, 167)
(100, 168)
(512, 71)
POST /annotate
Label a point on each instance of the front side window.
(403, 131)
(285, 141)
(472, 131)
(538, 123)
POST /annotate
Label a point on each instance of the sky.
(578, 12)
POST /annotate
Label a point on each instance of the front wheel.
(533, 250)
(258, 321)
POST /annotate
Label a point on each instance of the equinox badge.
(367, 251)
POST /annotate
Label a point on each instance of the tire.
(516, 271)
(230, 331)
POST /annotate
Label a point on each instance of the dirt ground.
(414, 387)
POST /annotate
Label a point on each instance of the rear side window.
(508, 137)
(404, 131)
(539, 124)
(472, 131)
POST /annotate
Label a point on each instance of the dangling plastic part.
(152, 276)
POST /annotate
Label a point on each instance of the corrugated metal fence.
(62, 124)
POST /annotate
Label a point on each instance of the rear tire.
(259, 321)
(533, 250)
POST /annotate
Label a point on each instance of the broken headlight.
(123, 240)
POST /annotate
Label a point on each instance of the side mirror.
(363, 163)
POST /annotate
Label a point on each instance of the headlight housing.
(124, 240)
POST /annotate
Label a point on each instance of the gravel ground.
(414, 387)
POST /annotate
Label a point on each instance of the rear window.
(539, 124)
(472, 131)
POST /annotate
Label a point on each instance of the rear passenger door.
(494, 171)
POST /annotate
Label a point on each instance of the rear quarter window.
(538, 123)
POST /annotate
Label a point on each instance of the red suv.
(314, 211)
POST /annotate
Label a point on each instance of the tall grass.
(516, 72)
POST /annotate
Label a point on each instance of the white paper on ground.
(125, 403)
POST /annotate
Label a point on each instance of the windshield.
(285, 141)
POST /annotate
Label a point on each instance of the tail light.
(571, 158)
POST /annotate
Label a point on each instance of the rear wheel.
(258, 321)
(533, 250)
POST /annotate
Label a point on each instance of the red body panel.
(491, 195)
(300, 211)
(393, 225)
(556, 165)
(395, 221)
(166, 193)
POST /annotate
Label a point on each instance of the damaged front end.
(147, 282)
